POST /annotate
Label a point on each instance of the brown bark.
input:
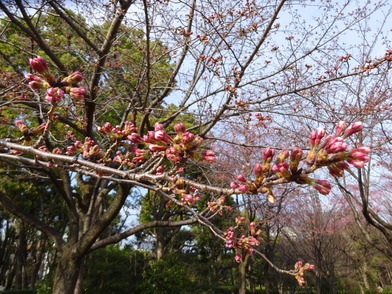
(242, 275)
(67, 272)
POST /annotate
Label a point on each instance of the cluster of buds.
(29, 132)
(242, 244)
(330, 152)
(55, 88)
(333, 151)
(183, 145)
(120, 134)
(188, 196)
(299, 271)
(88, 149)
(219, 205)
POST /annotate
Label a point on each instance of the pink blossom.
(209, 156)
(340, 127)
(258, 169)
(54, 94)
(135, 138)
(32, 77)
(158, 127)
(73, 78)
(234, 185)
(155, 147)
(269, 153)
(356, 163)
(39, 64)
(179, 128)
(243, 188)
(241, 178)
(77, 92)
(353, 128)
(238, 257)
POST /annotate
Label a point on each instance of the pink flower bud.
(283, 155)
(364, 149)
(243, 188)
(73, 78)
(37, 84)
(352, 129)
(187, 138)
(197, 141)
(268, 155)
(238, 257)
(179, 128)
(78, 92)
(241, 178)
(32, 77)
(39, 64)
(160, 136)
(209, 156)
(340, 127)
(54, 94)
(135, 138)
(234, 185)
(158, 127)
(316, 136)
(258, 169)
(155, 147)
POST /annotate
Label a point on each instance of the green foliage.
(19, 292)
(170, 275)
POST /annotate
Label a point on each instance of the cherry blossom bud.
(135, 138)
(54, 94)
(32, 77)
(258, 169)
(234, 185)
(238, 257)
(209, 156)
(38, 84)
(73, 78)
(160, 169)
(359, 156)
(364, 149)
(22, 127)
(243, 188)
(38, 130)
(161, 136)
(324, 187)
(316, 136)
(353, 128)
(158, 127)
(197, 141)
(187, 138)
(283, 155)
(295, 158)
(356, 163)
(39, 64)
(77, 92)
(241, 178)
(155, 147)
(179, 128)
(340, 127)
(268, 155)
(336, 145)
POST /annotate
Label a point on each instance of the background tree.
(214, 60)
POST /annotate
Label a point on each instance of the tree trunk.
(242, 275)
(67, 273)
(160, 243)
(20, 257)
